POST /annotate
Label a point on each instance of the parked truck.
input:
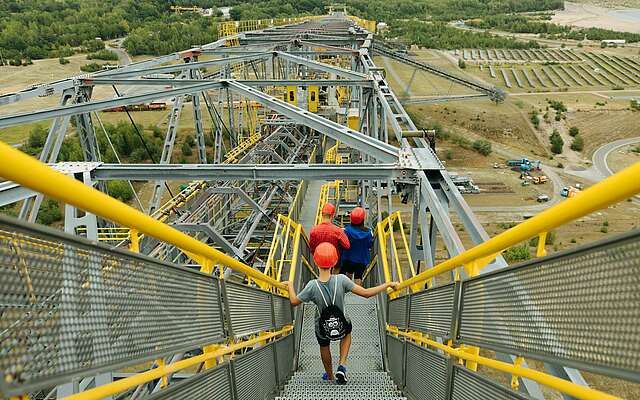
(524, 164)
(569, 191)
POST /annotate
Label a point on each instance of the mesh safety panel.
(253, 373)
(398, 312)
(284, 354)
(212, 384)
(69, 306)
(283, 311)
(468, 385)
(249, 309)
(432, 310)
(426, 373)
(395, 356)
(579, 308)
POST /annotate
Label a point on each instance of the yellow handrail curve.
(564, 386)
(31, 173)
(121, 385)
(614, 189)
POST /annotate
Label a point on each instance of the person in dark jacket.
(356, 258)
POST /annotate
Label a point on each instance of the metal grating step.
(366, 379)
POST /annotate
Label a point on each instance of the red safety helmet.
(328, 209)
(326, 255)
(357, 215)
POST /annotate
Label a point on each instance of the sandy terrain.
(586, 15)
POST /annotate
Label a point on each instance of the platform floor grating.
(366, 378)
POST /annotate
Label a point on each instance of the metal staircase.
(366, 376)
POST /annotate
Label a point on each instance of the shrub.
(63, 61)
(557, 105)
(139, 154)
(186, 149)
(577, 144)
(49, 212)
(92, 67)
(461, 63)
(190, 141)
(93, 45)
(120, 190)
(448, 155)
(517, 253)
(535, 120)
(574, 131)
(482, 146)
(556, 142)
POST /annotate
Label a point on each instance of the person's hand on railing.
(392, 285)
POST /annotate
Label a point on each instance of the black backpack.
(332, 324)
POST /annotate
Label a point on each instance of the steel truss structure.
(270, 109)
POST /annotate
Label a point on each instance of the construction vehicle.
(540, 180)
(524, 164)
(543, 198)
(569, 191)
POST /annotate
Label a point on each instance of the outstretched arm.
(293, 298)
(366, 293)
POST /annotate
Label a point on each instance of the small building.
(617, 42)
(381, 27)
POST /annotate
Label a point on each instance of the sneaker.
(325, 376)
(341, 375)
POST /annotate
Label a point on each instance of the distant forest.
(34, 29)
(523, 24)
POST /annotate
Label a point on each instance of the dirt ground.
(588, 15)
(504, 123)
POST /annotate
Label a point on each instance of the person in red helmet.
(356, 258)
(326, 231)
(327, 293)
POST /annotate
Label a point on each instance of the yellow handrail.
(121, 385)
(614, 189)
(564, 386)
(31, 173)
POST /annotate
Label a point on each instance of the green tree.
(578, 143)
(557, 143)
(120, 190)
(49, 212)
(461, 63)
(482, 146)
(574, 131)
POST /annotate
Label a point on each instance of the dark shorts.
(326, 342)
(350, 267)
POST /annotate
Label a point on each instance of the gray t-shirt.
(311, 292)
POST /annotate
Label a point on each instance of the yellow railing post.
(134, 244)
(541, 251)
(515, 383)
